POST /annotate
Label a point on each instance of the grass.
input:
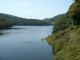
(66, 44)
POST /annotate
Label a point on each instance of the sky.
(35, 9)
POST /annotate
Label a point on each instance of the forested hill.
(23, 21)
(65, 37)
(53, 18)
(4, 23)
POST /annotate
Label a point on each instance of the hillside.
(4, 23)
(53, 18)
(66, 44)
(23, 21)
(65, 37)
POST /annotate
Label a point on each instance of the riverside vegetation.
(65, 37)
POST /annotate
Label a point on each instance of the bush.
(61, 24)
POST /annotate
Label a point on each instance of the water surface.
(25, 43)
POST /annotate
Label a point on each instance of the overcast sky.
(37, 9)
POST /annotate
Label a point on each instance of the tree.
(74, 12)
(4, 23)
(61, 24)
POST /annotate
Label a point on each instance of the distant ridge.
(53, 18)
(23, 21)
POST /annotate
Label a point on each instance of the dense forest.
(14, 20)
(65, 38)
(51, 20)
(4, 23)
(23, 21)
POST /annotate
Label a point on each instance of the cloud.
(23, 4)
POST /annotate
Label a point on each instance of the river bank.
(66, 44)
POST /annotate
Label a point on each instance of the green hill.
(4, 23)
(65, 37)
(23, 21)
(51, 20)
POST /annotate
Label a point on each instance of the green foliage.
(78, 31)
(56, 17)
(51, 20)
(74, 12)
(65, 38)
(61, 24)
(4, 23)
(22, 21)
(66, 43)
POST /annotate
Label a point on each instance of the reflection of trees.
(53, 50)
(1, 33)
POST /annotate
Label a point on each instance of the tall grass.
(66, 43)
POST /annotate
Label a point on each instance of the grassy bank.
(66, 43)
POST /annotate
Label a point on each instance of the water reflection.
(43, 40)
(2, 34)
(53, 51)
(17, 28)
(25, 42)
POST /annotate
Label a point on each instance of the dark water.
(25, 43)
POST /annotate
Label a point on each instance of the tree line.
(4, 23)
(23, 21)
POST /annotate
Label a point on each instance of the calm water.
(25, 43)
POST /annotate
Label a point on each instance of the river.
(25, 43)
